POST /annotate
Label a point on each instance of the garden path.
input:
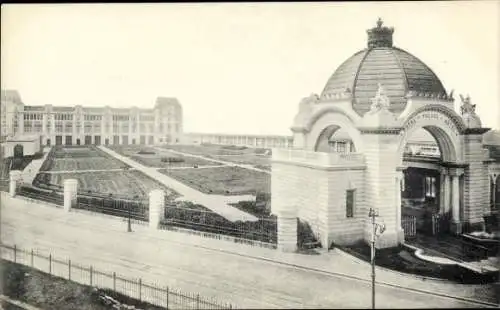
(217, 203)
(29, 173)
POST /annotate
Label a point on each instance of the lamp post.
(129, 228)
(381, 228)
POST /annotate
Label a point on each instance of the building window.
(430, 187)
(350, 200)
(341, 147)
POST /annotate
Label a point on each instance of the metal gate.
(409, 223)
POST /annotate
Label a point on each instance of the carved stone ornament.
(380, 101)
(467, 107)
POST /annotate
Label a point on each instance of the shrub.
(234, 147)
(144, 152)
(172, 160)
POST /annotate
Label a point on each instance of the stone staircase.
(29, 173)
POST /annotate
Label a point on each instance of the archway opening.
(426, 191)
(18, 151)
(334, 139)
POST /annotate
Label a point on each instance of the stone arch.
(18, 150)
(325, 123)
(443, 124)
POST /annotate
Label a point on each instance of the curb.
(18, 303)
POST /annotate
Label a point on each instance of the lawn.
(403, 259)
(223, 180)
(44, 291)
(234, 154)
(213, 149)
(119, 183)
(153, 158)
(79, 158)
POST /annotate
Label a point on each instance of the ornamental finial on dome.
(380, 22)
(380, 36)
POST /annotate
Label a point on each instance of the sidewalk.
(216, 203)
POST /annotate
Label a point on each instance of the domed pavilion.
(349, 147)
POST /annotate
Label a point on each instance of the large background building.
(78, 125)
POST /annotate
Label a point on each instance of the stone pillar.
(287, 231)
(381, 158)
(15, 177)
(399, 180)
(156, 207)
(456, 224)
(494, 194)
(444, 195)
(475, 180)
(299, 140)
(70, 193)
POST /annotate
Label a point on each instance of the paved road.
(168, 258)
(216, 203)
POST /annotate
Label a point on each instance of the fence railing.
(262, 230)
(87, 275)
(409, 224)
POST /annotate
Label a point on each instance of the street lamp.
(378, 229)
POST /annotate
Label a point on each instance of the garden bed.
(120, 183)
(403, 259)
(44, 291)
(80, 158)
(223, 180)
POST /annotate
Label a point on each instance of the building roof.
(397, 70)
(492, 137)
(11, 95)
(494, 151)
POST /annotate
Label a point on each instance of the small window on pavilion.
(350, 200)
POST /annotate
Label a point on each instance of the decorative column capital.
(493, 177)
(444, 171)
(456, 172)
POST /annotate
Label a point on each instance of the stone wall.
(317, 194)
(344, 230)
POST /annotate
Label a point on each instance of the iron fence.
(136, 210)
(409, 224)
(206, 221)
(162, 296)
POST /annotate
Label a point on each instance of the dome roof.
(395, 69)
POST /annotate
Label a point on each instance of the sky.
(235, 67)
